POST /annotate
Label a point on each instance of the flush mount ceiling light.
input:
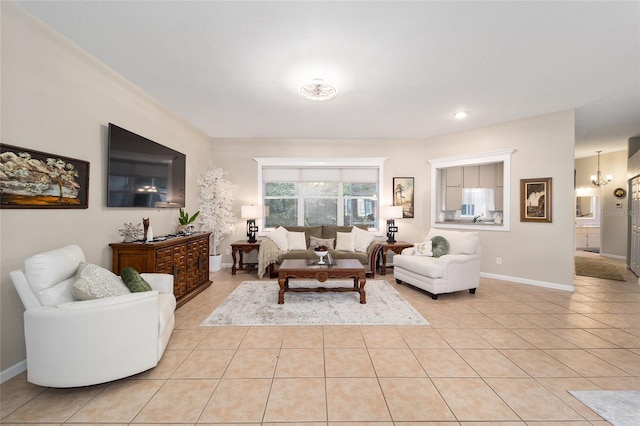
(460, 115)
(318, 90)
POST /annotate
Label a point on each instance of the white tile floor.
(504, 356)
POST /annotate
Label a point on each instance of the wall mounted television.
(143, 173)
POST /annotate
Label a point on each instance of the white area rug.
(256, 303)
(620, 408)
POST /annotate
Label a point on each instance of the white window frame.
(377, 162)
(503, 156)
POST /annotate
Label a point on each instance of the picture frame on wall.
(535, 200)
(38, 180)
(403, 195)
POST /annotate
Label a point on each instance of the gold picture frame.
(535, 200)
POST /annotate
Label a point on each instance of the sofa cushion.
(94, 282)
(134, 282)
(298, 254)
(46, 269)
(362, 257)
(424, 249)
(318, 242)
(460, 242)
(362, 239)
(57, 293)
(420, 265)
(345, 241)
(297, 240)
(439, 246)
(279, 236)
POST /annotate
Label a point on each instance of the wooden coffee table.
(342, 269)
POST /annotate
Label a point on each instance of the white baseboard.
(537, 283)
(613, 256)
(13, 371)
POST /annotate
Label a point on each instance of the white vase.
(215, 263)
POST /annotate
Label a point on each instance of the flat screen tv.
(143, 173)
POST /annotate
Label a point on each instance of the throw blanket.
(268, 254)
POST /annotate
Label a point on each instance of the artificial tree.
(216, 202)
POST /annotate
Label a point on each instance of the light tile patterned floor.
(504, 356)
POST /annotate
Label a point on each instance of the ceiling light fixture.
(597, 179)
(460, 115)
(318, 90)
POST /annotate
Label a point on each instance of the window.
(320, 192)
(471, 191)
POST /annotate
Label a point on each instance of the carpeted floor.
(255, 303)
(597, 267)
(620, 408)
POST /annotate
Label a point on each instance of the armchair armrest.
(409, 251)
(163, 283)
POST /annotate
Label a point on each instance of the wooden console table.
(242, 247)
(186, 258)
(396, 247)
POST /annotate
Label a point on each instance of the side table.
(242, 247)
(396, 247)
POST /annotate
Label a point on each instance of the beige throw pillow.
(279, 236)
(94, 282)
(297, 240)
(345, 241)
(362, 239)
(319, 242)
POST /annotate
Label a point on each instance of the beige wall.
(58, 99)
(613, 219)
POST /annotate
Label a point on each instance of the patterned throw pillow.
(134, 281)
(424, 249)
(94, 282)
(439, 246)
(317, 242)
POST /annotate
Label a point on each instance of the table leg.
(384, 261)
(282, 282)
(363, 295)
(234, 250)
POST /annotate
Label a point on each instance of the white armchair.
(455, 271)
(79, 343)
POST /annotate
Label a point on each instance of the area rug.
(620, 408)
(255, 303)
(597, 267)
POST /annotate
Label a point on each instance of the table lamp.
(391, 213)
(251, 213)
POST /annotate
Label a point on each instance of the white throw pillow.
(362, 239)
(423, 249)
(345, 241)
(279, 236)
(94, 282)
(297, 240)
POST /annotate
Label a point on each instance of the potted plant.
(216, 202)
(184, 219)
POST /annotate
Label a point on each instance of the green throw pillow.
(134, 281)
(439, 246)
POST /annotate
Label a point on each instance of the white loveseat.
(79, 343)
(457, 270)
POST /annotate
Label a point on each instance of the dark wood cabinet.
(186, 258)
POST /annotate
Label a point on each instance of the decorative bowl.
(321, 254)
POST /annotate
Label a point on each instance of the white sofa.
(79, 343)
(457, 270)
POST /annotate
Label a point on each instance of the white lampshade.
(250, 212)
(392, 212)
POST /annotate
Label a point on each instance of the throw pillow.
(423, 249)
(297, 240)
(134, 281)
(362, 239)
(439, 246)
(317, 242)
(345, 241)
(279, 236)
(94, 282)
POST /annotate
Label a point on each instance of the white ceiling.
(402, 69)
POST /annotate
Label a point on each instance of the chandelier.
(318, 90)
(597, 180)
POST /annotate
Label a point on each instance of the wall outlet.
(498, 261)
(227, 251)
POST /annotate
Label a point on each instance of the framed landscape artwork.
(403, 195)
(36, 180)
(535, 200)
